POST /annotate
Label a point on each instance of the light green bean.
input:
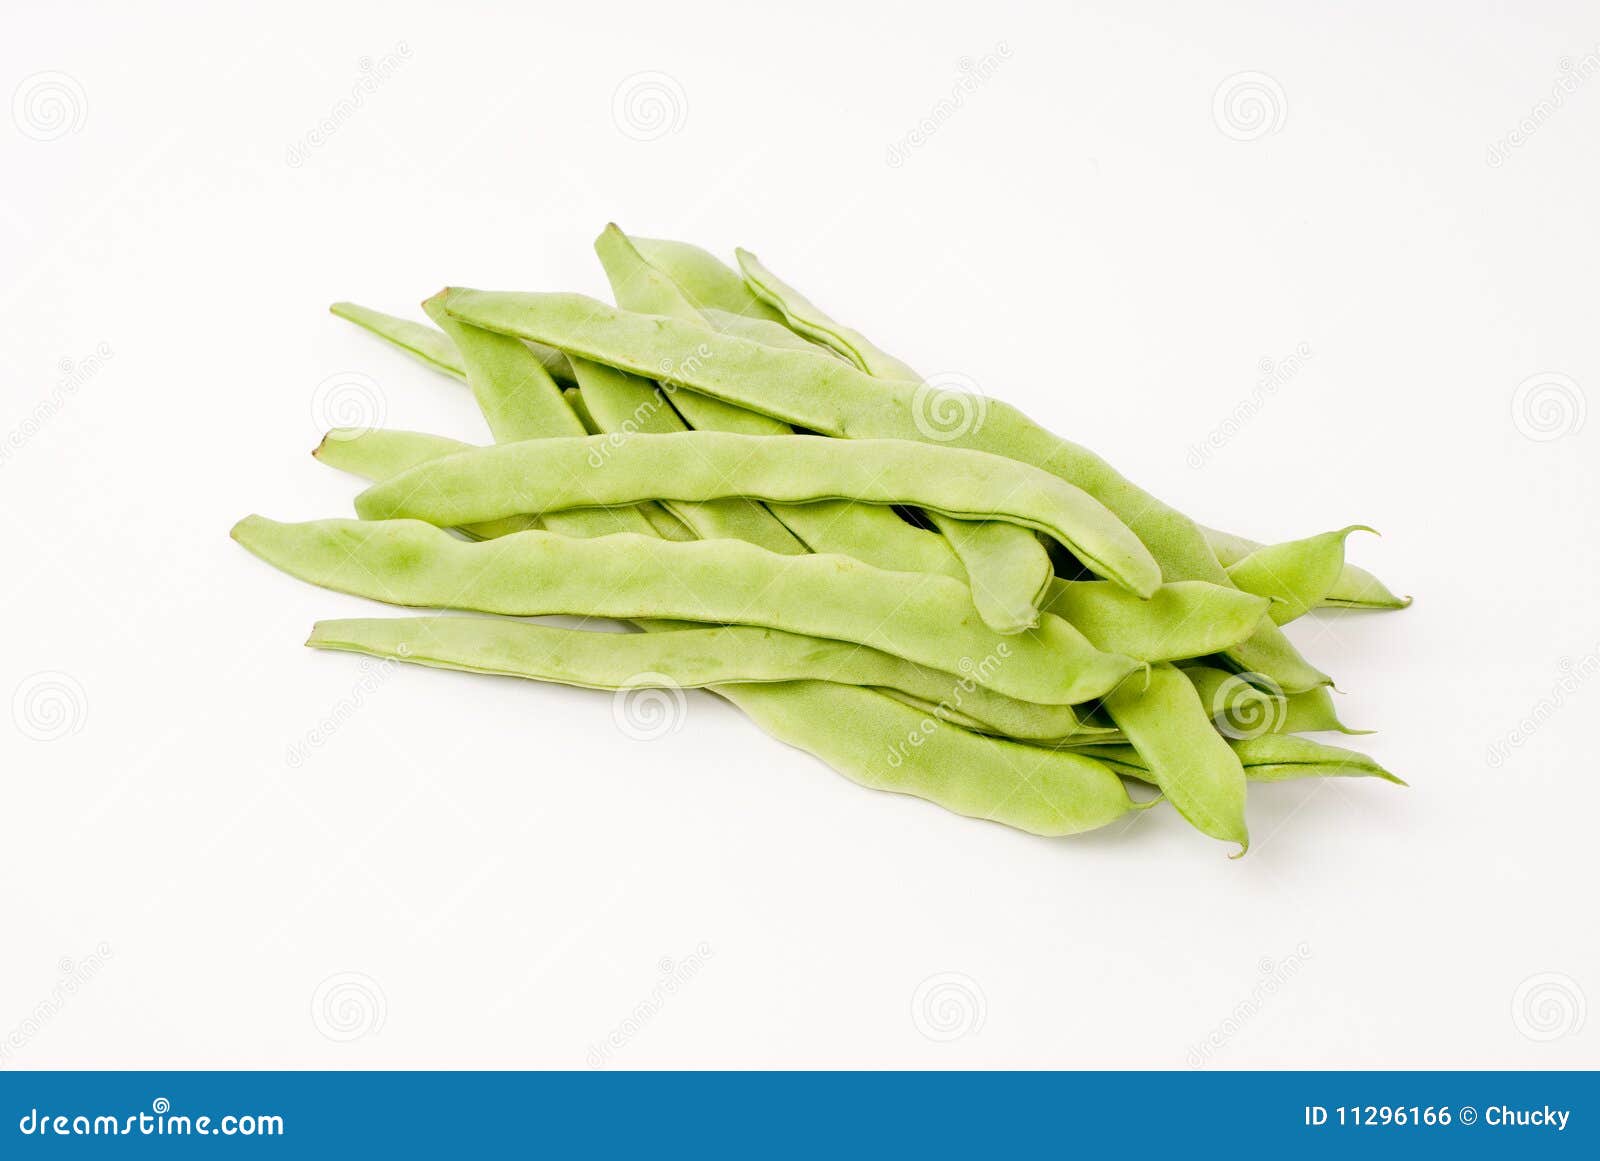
(538, 476)
(921, 618)
(1297, 574)
(830, 397)
(862, 531)
(1191, 763)
(1009, 574)
(1356, 588)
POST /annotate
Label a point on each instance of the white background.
(470, 871)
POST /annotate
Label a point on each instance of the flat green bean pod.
(1297, 575)
(828, 396)
(537, 476)
(1182, 619)
(879, 742)
(926, 619)
(859, 530)
(1009, 575)
(434, 347)
(378, 454)
(1191, 763)
(691, 656)
(1268, 758)
(1356, 588)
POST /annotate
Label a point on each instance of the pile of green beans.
(987, 616)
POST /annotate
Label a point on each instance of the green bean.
(691, 656)
(918, 617)
(538, 476)
(830, 397)
(431, 346)
(1268, 758)
(1009, 573)
(703, 277)
(1241, 709)
(519, 399)
(880, 538)
(1041, 791)
(611, 391)
(805, 318)
(1182, 619)
(434, 347)
(378, 454)
(1356, 588)
(1297, 574)
(1191, 763)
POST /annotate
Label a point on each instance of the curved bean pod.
(1180, 620)
(831, 397)
(1174, 739)
(862, 531)
(1297, 574)
(434, 347)
(879, 742)
(1269, 758)
(690, 656)
(926, 619)
(378, 454)
(538, 476)
(1009, 574)
(1356, 588)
